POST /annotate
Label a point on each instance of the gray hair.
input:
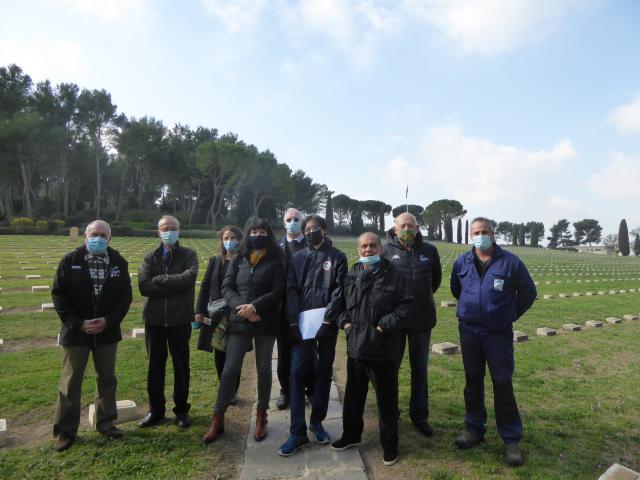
(167, 218)
(373, 234)
(406, 214)
(484, 220)
(93, 224)
(290, 210)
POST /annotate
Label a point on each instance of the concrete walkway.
(318, 462)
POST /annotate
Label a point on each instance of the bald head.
(405, 221)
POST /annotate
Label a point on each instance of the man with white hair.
(292, 242)
(419, 263)
(167, 277)
(91, 295)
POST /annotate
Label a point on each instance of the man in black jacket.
(314, 282)
(376, 304)
(292, 242)
(419, 262)
(167, 277)
(91, 294)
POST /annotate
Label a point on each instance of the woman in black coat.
(211, 289)
(253, 288)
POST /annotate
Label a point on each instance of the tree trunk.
(97, 144)
(26, 187)
(121, 191)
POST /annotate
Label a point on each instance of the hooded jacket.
(371, 299)
(314, 280)
(75, 302)
(496, 299)
(169, 286)
(422, 270)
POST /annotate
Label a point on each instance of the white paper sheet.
(310, 322)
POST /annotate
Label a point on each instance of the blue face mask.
(231, 245)
(169, 237)
(482, 242)
(97, 245)
(294, 227)
(369, 261)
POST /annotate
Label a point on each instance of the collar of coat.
(159, 252)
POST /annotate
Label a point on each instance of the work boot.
(261, 424)
(513, 455)
(468, 439)
(215, 429)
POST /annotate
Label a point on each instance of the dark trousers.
(284, 361)
(418, 359)
(219, 358)
(481, 348)
(384, 377)
(302, 359)
(74, 363)
(160, 341)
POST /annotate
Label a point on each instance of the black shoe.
(468, 439)
(390, 457)
(283, 401)
(151, 420)
(424, 428)
(344, 443)
(513, 455)
(183, 420)
(113, 433)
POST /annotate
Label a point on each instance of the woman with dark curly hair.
(253, 289)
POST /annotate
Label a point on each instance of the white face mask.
(482, 242)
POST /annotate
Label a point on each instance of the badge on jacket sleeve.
(498, 283)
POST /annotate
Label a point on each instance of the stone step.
(444, 348)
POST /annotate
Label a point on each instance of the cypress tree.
(514, 234)
(521, 236)
(636, 246)
(623, 238)
(466, 232)
(328, 214)
(459, 232)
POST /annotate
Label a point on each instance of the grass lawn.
(577, 392)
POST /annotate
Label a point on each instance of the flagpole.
(406, 197)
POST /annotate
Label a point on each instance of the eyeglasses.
(295, 219)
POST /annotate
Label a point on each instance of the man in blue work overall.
(494, 289)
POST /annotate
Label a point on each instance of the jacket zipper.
(166, 271)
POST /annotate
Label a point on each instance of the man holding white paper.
(314, 291)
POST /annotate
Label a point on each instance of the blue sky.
(521, 109)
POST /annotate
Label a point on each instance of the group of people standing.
(298, 292)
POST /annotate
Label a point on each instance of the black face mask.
(258, 242)
(314, 238)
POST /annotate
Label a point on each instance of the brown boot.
(215, 429)
(261, 424)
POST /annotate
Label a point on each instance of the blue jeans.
(418, 359)
(301, 362)
(495, 349)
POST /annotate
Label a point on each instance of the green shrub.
(42, 226)
(21, 222)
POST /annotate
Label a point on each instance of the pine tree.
(623, 238)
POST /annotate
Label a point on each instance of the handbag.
(219, 338)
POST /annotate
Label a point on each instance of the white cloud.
(42, 57)
(109, 11)
(626, 118)
(559, 202)
(618, 179)
(237, 15)
(401, 173)
(490, 27)
(481, 173)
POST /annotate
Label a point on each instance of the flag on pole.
(406, 194)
